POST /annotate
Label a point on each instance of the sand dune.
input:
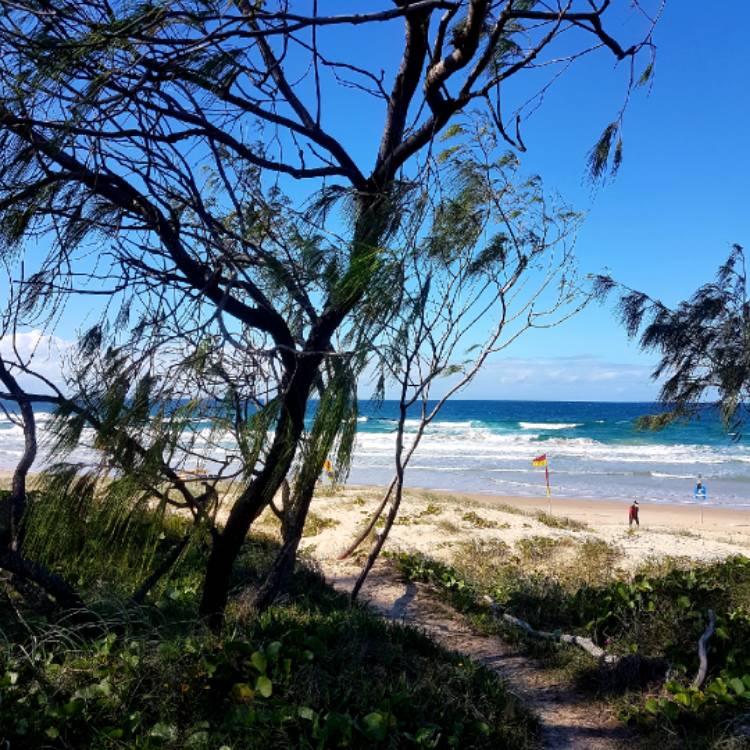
(435, 522)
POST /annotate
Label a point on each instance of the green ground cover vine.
(312, 674)
(652, 618)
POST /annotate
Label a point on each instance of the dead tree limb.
(371, 524)
(51, 583)
(575, 640)
(700, 678)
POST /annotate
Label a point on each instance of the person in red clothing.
(633, 514)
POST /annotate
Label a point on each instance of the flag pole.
(549, 492)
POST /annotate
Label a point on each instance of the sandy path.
(568, 719)
(437, 524)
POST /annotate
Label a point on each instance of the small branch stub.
(700, 678)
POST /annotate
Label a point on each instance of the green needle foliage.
(703, 345)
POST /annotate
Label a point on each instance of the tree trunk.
(281, 571)
(257, 495)
(228, 543)
(373, 218)
(17, 500)
(161, 570)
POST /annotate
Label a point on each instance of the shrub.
(482, 523)
(313, 674)
(560, 522)
(315, 523)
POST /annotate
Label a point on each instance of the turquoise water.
(594, 451)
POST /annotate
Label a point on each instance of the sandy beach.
(435, 523)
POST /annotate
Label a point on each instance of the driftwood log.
(575, 640)
(599, 653)
(700, 678)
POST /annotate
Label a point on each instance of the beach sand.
(435, 523)
(432, 522)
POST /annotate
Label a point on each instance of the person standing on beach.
(633, 514)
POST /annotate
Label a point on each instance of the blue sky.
(667, 220)
(663, 225)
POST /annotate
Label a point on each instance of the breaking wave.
(593, 451)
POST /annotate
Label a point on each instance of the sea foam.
(488, 447)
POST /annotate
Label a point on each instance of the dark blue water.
(594, 451)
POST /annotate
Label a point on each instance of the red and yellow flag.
(542, 461)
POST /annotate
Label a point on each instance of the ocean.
(593, 449)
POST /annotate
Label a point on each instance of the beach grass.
(480, 522)
(651, 618)
(315, 523)
(560, 522)
(313, 672)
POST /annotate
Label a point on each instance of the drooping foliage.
(182, 164)
(492, 259)
(703, 345)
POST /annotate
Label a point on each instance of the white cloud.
(42, 352)
(572, 378)
(563, 378)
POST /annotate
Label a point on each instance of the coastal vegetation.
(310, 673)
(560, 522)
(701, 344)
(187, 166)
(649, 623)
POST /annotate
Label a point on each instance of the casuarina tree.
(191, 166)
(702, 344)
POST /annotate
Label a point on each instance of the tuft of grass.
(686, 533)
(448, 526)
(436, 500)
(418, 518)
(479, 522)
(540, 548)
(560, 522)
(595, 562)
(482, 561)
(507, 508)
(315, 523)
